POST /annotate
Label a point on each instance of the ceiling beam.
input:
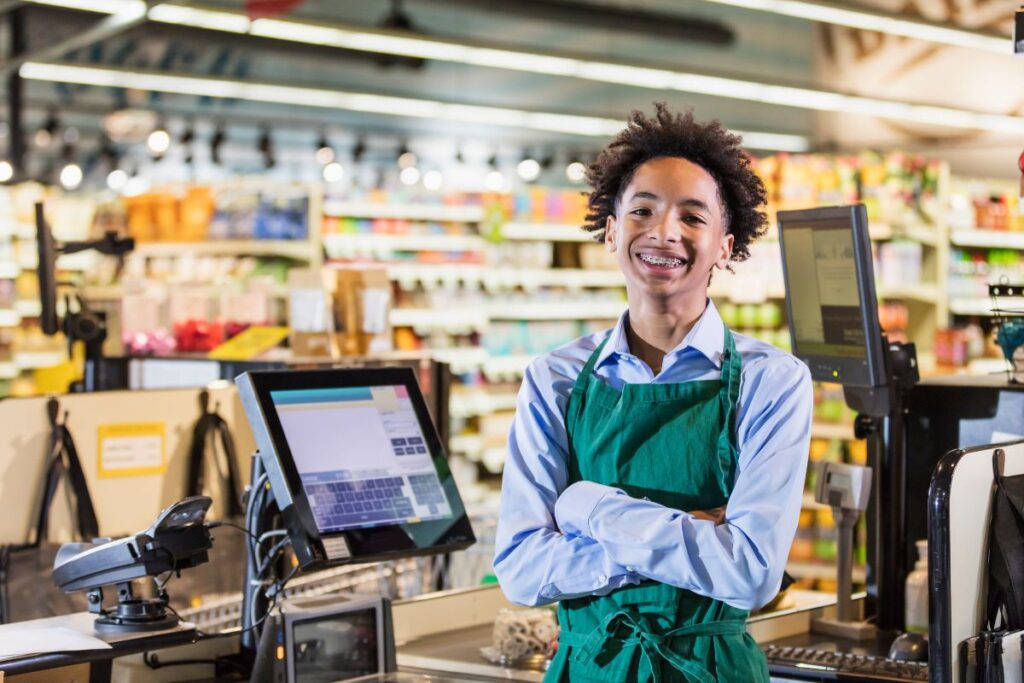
(105, 28)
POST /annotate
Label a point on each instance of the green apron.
(673, 444)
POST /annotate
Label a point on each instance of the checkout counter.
(310, 510)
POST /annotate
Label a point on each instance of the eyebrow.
(689, 201)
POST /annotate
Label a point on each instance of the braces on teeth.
(660, 261)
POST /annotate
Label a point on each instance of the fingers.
(716, 515)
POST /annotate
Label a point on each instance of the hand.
(716, 515)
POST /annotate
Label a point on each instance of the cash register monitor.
(355, 464)
(830, 294)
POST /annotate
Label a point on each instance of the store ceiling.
(691, 36)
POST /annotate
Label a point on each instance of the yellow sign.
(250, 343)
(134, 449)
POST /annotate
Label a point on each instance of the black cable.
(153, 662)
(214, 525)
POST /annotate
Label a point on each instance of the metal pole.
(845, 522)
(15, 85)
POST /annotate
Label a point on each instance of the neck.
(656, 328)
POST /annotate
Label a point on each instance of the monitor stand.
(881, 420)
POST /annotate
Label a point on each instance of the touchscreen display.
(826, 307)
(336, 648)
(361, 455)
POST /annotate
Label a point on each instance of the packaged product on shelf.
(362, 303)
(196, 211)
(310, 313)
(143, 321)
(282, 215)
(195, 317)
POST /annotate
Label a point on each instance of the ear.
(609, 234)
(724, 251)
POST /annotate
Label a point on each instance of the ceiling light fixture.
(575, 172)
(528, 169)
(333, 172)
(71, 176)
(881, 22)
(159, 141)
(394, 43)
(324, 151)
(117, 179)
(494, 181)
(410, 175)
(46, 133)
(216, 143)
(433, 180)
(377, 104)
(6, 171)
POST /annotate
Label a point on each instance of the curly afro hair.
(709, 145)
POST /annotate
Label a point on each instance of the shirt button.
(601, 578)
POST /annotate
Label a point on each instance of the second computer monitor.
(830, 294)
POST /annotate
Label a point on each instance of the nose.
(666, 230)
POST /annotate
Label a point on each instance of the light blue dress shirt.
(555, 543)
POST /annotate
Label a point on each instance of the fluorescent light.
(137, 7)
(200, 18)
(363, 102)
(877, 21)
(531, 62)
(634, 76)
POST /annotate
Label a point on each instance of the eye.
(640, 211)
(694, 219)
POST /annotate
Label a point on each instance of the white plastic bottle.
(916, 615)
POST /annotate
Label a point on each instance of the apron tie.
(623, 628)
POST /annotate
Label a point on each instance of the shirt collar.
(707, 337)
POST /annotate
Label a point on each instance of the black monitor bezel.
(372, 543)
(845, 371)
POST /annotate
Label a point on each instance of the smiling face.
(669, 232)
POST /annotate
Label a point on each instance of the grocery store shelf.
(24, 231)
(550, 232)
(472, 403)
(982, 305)
(8, 370)
(826, 430)
(987, 366)
(9, 317)
(498, 277)
(25, 360)
(470, 445)
(568, 310)
(821, 571)
(997, 239)
(28, 308)
(926, 293)
(454, 319)
(300, 250)
(413, 212)
(918, 232)
(506, 367)
(810, 504)
(345, 245)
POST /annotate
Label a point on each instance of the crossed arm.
(556, 541)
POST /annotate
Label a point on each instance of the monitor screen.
(335, 647)
(830, 294)
(355, 464)
(361, 455)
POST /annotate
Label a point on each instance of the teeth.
(660, 260)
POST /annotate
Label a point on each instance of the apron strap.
(580, 388)
(729, 396)
(622, 628)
